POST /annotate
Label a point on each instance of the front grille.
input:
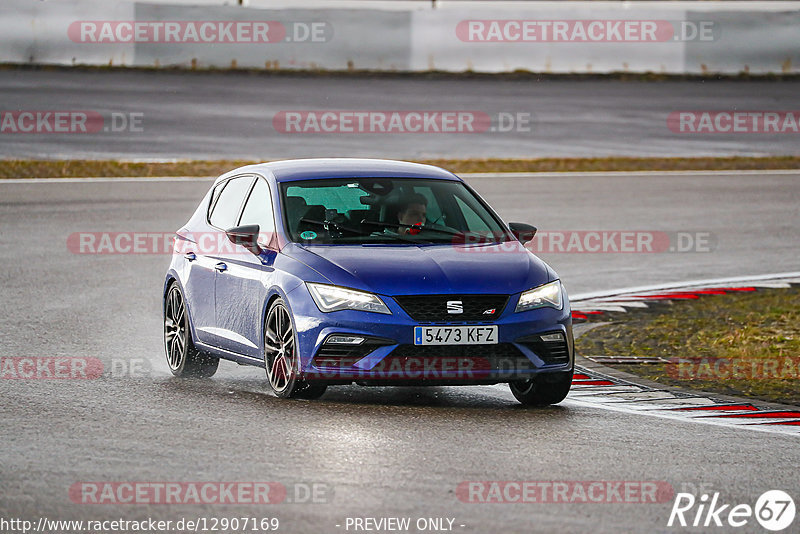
(481, 359)
(499, 350)
(425, 365)
(434, 308)
(551, 352)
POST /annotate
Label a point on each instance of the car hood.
(503, 268)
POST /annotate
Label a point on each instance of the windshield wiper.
(395, 235)
(425, 228)
(337, 226)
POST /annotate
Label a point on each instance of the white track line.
(774, 172)
(102, 179)
(771, 429)
(682, 285)
(585, 174)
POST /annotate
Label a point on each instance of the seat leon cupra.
(338, 271)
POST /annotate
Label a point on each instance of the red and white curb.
(622, 300)
(597, 389)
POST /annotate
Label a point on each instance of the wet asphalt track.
(223, 115)
(382, 451)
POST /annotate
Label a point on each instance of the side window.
(258, 210)
(215, 195)
(226, 210)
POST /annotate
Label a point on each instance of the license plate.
(455, 335)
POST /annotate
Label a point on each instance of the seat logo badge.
(454, 307)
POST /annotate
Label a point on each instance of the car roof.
(321, 168)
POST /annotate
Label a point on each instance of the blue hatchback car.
(375, 272)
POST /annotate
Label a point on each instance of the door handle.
(190, 256)
(221, 267)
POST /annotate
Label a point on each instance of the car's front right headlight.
(547, 295)
(334, 298)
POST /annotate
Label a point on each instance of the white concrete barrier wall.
(306, 39)
(36, 32)
(673, 37)
(438, 40)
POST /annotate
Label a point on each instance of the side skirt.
(228, 355)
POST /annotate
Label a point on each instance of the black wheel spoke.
(179, 315)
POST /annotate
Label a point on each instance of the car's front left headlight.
(548, 295)
(334, 298)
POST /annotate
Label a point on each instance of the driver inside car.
(413, 210)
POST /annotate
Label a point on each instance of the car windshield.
(387, 210)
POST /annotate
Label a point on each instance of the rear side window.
(226, 210)
(258, 210)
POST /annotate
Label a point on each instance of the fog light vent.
(344, 340)
(555, 337)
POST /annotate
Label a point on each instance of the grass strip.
(27, 168)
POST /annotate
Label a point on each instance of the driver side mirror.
(246, 236)
(522, 231)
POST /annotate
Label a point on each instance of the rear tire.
(542, 390)
(183, 358)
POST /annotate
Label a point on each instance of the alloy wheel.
(279, 357)
(175, 328)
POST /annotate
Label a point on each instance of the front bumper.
(388, 356)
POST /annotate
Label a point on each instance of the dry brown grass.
(113, 168)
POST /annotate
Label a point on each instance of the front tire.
(542, 390)
(281, 358)
(183, 358)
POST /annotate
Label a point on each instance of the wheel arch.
(277, 292)
(274, 293)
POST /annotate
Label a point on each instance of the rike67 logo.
(774, 510)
